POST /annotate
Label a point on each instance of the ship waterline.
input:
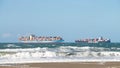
(56, 41)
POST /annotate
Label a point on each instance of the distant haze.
(70, 19)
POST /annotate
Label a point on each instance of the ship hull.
(93, 42)
(56, 41)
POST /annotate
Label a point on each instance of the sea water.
(58, 52)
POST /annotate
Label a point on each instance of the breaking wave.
(58, 54)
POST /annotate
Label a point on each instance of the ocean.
(58, 52)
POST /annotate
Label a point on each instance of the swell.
(54, 45)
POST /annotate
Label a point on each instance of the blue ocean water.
(55, 45)
(58, 52)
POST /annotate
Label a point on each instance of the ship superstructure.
(40, 39)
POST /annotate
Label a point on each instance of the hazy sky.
(70, 19)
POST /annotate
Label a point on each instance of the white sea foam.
(11, 45)
(60, 54)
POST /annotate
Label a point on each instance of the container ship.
(94, 40)
(40, 39)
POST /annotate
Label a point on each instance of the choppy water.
(59, 52)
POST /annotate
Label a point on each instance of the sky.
(70, 19)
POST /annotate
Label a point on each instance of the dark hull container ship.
(94, 40)
(40, 39)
